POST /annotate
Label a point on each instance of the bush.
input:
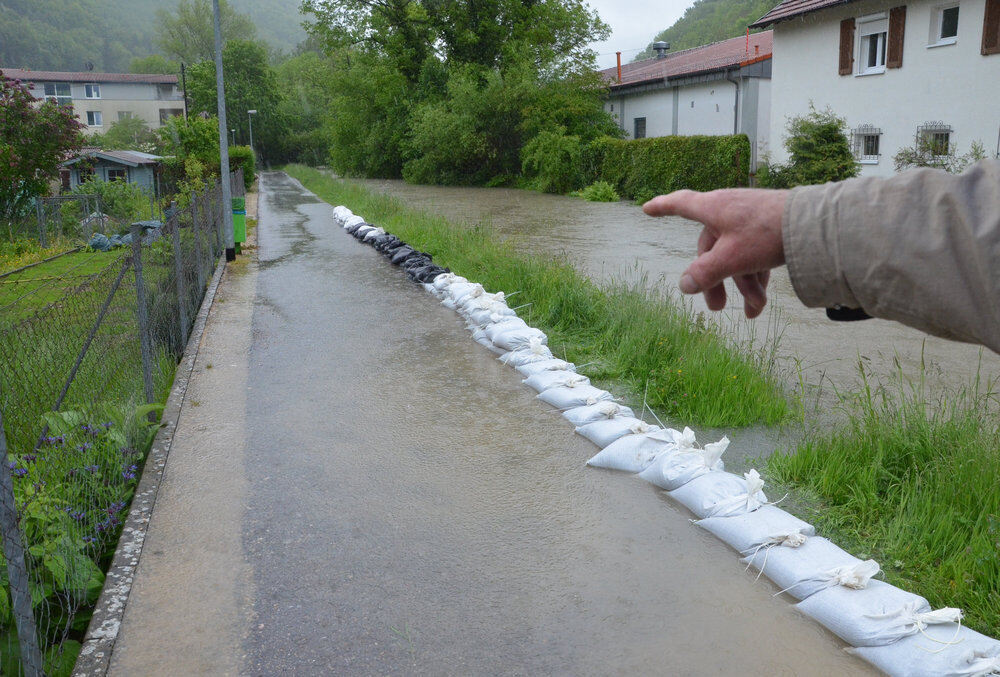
(818, 151)
(643, 168)
(121, 200)
(241, 157)
(928, 154)
(551, 160)
(599, 191)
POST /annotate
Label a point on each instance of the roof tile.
(66, 76)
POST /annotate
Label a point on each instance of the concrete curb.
(102, 633)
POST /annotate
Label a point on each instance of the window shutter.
(897, 25)
(991, 28)
(847, 46)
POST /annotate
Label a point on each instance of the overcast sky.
(633, 23)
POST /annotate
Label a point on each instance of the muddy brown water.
(616, 240)
(413, 509)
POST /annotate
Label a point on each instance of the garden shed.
(142, 169)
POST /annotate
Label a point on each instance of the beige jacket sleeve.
(921, 248)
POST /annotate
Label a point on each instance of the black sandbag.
(417, 261)
(389, 252)
(432, 274)
(383, 242)
(358, 233)
(402, 253)
(353, 229)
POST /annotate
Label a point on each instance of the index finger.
(686, 203)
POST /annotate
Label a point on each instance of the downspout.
(736, 102)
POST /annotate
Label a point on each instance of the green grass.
(45, 283)
(913, 484)
(631, 336)
(21, 252)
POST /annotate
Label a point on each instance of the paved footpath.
(357, 488)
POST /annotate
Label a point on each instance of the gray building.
(132, 166)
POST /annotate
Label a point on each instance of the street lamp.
(234, 136)
(250, 114)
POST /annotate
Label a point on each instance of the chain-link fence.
(88, 343)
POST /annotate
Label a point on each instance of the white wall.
(954, 84)
(656, 106)
(706, 108)
(764, 118)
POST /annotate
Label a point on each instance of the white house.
(721, 88)
(927, 69)
(100, 99)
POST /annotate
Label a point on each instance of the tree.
(251, 84)
(128, 134)
(33, 141)
(189, 34)
(939, 154)
(154, 63)
(818, 150)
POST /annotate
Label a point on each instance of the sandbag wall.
(894, 630)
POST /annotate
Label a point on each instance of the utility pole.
(227, 190)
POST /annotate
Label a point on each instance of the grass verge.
(912, 484)
(641, 338)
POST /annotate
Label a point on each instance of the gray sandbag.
(601, 411)
(608, 431)
(544, 380)
(554, 364)
(570, 396)
(100, 242)
(536, 351)
(674, 471)
(635, 452)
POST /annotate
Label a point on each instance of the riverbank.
(906, 479)
(644, 341)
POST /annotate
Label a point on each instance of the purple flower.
(89, 539)
(29, 458)
(91, 468)
(84, 447)
(117, 506)
(19, 472)
(54, 441)
(129, 473)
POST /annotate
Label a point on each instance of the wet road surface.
(412, 509)
(606, 240)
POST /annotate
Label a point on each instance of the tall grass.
(912, 482)
(626, 334)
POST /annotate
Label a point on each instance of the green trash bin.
(239, 221)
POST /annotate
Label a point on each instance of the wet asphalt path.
(412, 509)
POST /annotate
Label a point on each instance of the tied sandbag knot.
(789, 539)
(981, 665)
(912, 621)
(855, 577)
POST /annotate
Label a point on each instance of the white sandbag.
(603, 433)
(507, 324)
(495, 314)
(760, 528)
(352, 220)
(444, 281)
(633, 453)
(459, 290)
(674, 471)
(479, 336)
(554, 379)
(878, 615)
(721, 494)
(595, 412)
(940, 650)
(554, 364)
(536, 351)
(485, 301)
(817, 565)
(461, 294)
(342, 213)
(571, 396)
(517, 339)
(373, 233)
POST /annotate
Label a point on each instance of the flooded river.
(608, 240)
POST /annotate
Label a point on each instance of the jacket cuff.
(809, 233)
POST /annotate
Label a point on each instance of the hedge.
(643, 168)
(242, 156)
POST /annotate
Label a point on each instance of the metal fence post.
(17, 572)
(179, 273)
(40, 212)
(143, 313)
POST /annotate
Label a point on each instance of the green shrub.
(643, 168)
(242, 157)
(927, 153)
(121, 200)
(600, 191)
(818, 151)
(551, 160)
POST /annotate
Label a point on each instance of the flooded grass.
(913, 484)
(642, 338)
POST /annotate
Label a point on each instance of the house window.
(944, 26)
(640, 128)
(935, 138)
(86, 174)
(95, 118)
(871, 49)
(167, 113)
(117, 174)
(124, 115)
(164, 91)
(58, 92)
(866, 144)
(92, 91)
